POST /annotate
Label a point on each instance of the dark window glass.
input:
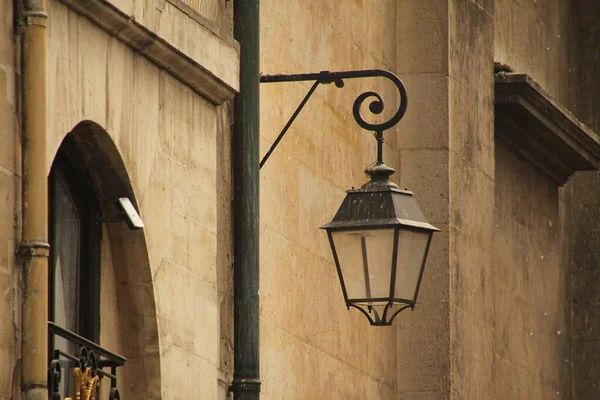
(74, 258)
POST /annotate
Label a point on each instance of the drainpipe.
(245, 148)
(34, 248)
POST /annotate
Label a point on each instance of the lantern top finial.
(380, 178)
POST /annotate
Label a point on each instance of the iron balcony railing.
(86, 368)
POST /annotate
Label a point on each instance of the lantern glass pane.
(365, 259)
(412, 246)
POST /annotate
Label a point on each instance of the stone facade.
(507, 309)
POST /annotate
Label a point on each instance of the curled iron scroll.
(377, 105)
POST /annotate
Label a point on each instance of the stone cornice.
(215, 81)
(542, 130)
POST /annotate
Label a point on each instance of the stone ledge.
(214, 85)
(541, 130)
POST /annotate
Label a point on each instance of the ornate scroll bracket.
(87, 368)
(326, 77)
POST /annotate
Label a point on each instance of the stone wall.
(531, 286)
(537, 334)
(583, 217)
(175, 148)
(472, 182)
(422, 35)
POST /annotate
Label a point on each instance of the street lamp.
(379, 237)
(380, 240)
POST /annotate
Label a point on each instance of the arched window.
(75, 233)
(91, 203)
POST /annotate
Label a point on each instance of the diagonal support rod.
(289, 123)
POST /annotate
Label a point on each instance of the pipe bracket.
(245, 385)
(33, 249)
(33, 18)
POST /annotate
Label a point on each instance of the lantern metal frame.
(379, 204)
(370, 208)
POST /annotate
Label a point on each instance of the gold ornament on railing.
(85, 385)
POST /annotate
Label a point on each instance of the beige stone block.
(126, 6)
(177, 286)
(202, 253)
(513, 182)
(216, 52)
(435, 284)
(585, 318)
(8, 123)
(275, 36)
(6, 384)
(346, 55)
(156, 209)
(304, 140)
(193, 196)
(382, 45)
(511, 253)
(286, 294)
(280, 191)
(340, 155)
(179, 117)
(318, 202)
(472, 277)
(120, 94)
(92, 44)
(530, 338)
(471, 201)
(425, 124)
(63, 63)
(472, 356)
(526, 37)
(203, 143)
(143, 138)
(7, 10)
(291, 364)
(472, 126)
(471, 27)
(422, 36)
(338, 121)
(283, 360)
(585, 370)
(206, 326)
(423, 338)
(510, 381)
(185, 374)
(425, 395)
(316, 31)
(425, 173)
(273, 110)
(348, 19)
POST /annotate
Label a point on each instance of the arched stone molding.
(135, 290)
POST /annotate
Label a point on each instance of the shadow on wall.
(135, 289)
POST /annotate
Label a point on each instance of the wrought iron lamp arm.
(327, 77)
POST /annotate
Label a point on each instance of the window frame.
(85, 199)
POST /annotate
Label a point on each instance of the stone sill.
(200, 57)
(541, 130)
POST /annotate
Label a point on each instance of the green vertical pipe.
(245, 148)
